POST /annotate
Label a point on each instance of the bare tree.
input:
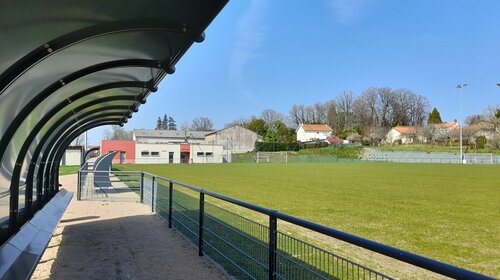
(240, 121)
(270, 116)
(345, 100)
(185, 126)
(202, 124)
(117, 133)
(79, 141)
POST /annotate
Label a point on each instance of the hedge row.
(276, 147)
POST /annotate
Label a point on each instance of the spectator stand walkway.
(119, 240)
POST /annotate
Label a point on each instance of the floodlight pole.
(459, 87)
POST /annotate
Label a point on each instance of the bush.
(398, 141)
(480, 142)
(276, 147)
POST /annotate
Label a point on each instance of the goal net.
(479, 158)
(271, 157)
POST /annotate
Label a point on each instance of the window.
(200, 154)
(155, 154)
(145, 153)
(209, 154)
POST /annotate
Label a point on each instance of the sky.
(261, 54)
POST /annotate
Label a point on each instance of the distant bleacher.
(433, 157)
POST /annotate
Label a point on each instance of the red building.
(126, 148)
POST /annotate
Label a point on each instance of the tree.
(171, 125)
(185, 126)
(277, 132)
(79, 140)
(269, 116)
(117, 133)
(158, 124)
(434, 117)
(345, 101)
(202, 124)
(164, 122)
(258, 126)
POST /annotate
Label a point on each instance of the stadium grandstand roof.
(69, 66)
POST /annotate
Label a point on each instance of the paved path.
(118, 240)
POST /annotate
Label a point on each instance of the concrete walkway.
(118, 240)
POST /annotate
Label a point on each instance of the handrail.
(392, 252)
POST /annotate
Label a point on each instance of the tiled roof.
(158, 133)
(451, 125)
(406, 129)
(316, 127)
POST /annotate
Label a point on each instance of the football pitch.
(447, 212)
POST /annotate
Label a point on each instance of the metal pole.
(170, 203)
(459, 87)
(79, 186)
(142, 187)
(460, 126)
(273, 245)
(201, 227)
(153, 194)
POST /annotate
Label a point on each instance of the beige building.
(407, 134)
(72, 156)
(235, 138)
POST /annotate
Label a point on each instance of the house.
(407, 134)
(235, 138)
(313, 132)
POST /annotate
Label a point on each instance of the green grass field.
(447, 212)
(68, 169)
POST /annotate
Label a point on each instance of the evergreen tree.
(171, 124)
(434, 117)
(164, 122)
(158, 124)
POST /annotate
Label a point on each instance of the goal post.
(271, 157)
(479, 158)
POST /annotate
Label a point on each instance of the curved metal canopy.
(66, 68)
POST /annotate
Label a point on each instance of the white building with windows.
(313, 132)
(176, 146)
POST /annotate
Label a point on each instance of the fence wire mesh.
(233, 233)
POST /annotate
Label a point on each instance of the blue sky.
(261, 54)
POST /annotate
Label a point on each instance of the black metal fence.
(249, 244)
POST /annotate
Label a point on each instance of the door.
(184, 157)
(123, 157)
(170, 157)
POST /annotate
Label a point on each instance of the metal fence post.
(273, 245)
(79, 186)
(142, 187)
(170, 202)
(153, 194)
(201, 224)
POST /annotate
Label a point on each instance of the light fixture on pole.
(459, 87)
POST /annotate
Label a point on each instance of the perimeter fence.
(249, 241)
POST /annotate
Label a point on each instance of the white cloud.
(250, 34)
(349, 11)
